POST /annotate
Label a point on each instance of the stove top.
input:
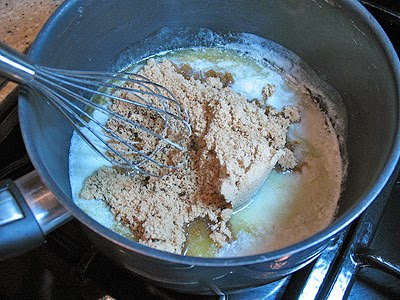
(362, 263)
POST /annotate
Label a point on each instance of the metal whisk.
(84, 98)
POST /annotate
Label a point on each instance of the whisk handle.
(15, 66)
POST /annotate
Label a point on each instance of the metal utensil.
(77, 94)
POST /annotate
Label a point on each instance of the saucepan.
(339, 39)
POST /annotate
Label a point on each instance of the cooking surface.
(67, 266)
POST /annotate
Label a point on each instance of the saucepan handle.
(28, 211)
(15, 66)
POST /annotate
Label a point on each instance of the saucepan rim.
(322, 236)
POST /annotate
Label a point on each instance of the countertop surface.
(21, 21)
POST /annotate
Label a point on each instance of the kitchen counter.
(21, 21)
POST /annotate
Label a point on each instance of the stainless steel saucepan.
(339, 39)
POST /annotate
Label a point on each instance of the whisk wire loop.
(135, 92)
(66, 88)
(112, 134)
(107, 111)
(81, 77)
(133, 105)
(54, 100)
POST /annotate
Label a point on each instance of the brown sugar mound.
(233, 148)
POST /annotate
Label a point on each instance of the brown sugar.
(291, 113)
(187, 72)
(233, 147)
(268, 90)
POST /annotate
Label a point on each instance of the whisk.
(84, 98)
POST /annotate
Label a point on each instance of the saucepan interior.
(336, 38)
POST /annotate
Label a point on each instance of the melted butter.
(219, 59)
(198, 240)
